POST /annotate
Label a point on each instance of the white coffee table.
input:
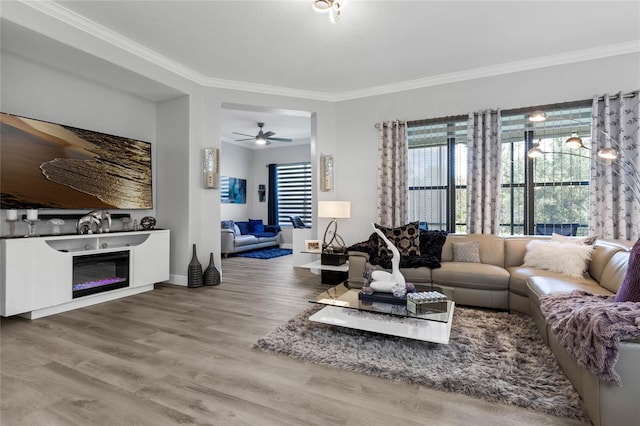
(344, 309)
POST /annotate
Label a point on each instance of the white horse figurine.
(384, 281)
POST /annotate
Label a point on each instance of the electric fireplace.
(95, 273)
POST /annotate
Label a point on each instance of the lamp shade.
(334, 209)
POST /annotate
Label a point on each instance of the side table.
(330, 274)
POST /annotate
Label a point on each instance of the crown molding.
(88, 26)
(493, 70)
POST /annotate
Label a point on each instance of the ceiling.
(284, 124)
(284, 47)
(286, 44)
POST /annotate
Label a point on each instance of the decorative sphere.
(410, 287)
(148, 222)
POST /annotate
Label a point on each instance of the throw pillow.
(467, 251)
(630, 289)
(589, 240)
(236, 229)
(566, 258)
(244, 227)
(406, 238)
(226, 224)
(256, 225)
(431, 243)
(369, 246)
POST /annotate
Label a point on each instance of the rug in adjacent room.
(495, 356)
(266, 253)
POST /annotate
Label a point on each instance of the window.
(437, 169)
(550, 193)
(294, 192)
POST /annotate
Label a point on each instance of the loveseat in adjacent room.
(242, 236)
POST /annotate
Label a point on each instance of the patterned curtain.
(483, 173)
(614, 196)
(393, 195)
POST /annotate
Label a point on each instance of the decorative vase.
(211, 274)
(194, 274)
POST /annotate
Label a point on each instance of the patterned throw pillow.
(630, 289)
(406, 238)
(468, 251)
(226, 224)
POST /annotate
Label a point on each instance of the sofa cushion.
(566, 258)
(406, 238)
(245, 240)
(256, 226)
(468, 251)
(261, 235)
(588, 240)
(471, 275)
(236, 229)
(539, 286)
(520, 274)
(491, 247)
(630, 288)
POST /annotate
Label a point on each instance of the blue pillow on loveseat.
(244, 228)
(256, 225)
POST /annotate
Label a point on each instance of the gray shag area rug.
(495, 356)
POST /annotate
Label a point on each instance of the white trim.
(176, 279)
(90, 27)
(86, 301)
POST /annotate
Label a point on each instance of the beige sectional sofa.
(500, 281)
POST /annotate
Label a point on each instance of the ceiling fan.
(262, 138)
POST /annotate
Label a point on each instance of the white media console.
(36, 273)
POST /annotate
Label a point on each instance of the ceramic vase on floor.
(194, 273)
(211, 274)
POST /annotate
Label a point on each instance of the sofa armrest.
(357, 265)
(227, 237)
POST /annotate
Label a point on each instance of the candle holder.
(31, 223)
(12, 226)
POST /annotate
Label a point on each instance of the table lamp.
(334, 210)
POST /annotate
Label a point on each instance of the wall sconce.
(326, 173)
(211, 168)
(262, 191)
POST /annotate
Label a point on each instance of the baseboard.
(177, 280)
(286, 246)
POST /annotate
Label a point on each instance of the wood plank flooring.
(183, 356)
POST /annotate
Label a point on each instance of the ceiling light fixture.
(261, 140)
(322, 5)
(333, 6)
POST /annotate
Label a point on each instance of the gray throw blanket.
(590, 327)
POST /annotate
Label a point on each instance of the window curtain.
(393, 196)
(483, 172)
(614, 195)
(272, 199)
